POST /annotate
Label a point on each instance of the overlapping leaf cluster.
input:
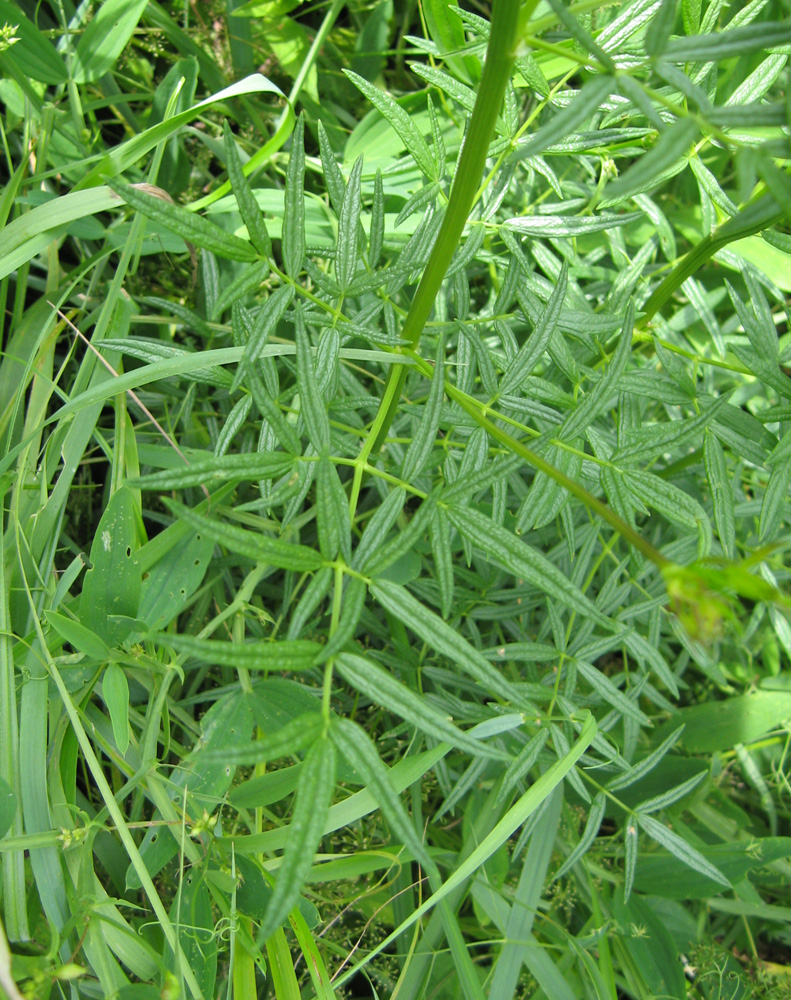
(451, 544)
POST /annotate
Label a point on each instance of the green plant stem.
(313, 52)
(761, 213)
(507, 21)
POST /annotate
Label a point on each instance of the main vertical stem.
(507, 22)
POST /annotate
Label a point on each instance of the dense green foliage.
(396, 450)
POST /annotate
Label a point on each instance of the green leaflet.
(248, 206)
(669, 154)
(249, 466)
(647, 764)
(399, 545)
(663, 874)
(359, 750)
(233, 423)
(266, 320)
(594, 402)
(672, 502)
(333, 178)
(423, 442)
(442, 637)
(293, 239)
(314, 594)
(590, 833)
(311, 401)
(250, 279)
(522, 763)
(563, 225)
(630, 845)
(439, 532)
(673, 795)
(285, 654)
(366, 676)
(603, 686)
(775, 501)
(379, 526)
(651, 441)
(525, 562)
(459, 92)
(660, 28)
(418, 202)
(311, 803)
(269, 408)
(332, 512)
(404, 126)
(726, 44)
(681, 849)
(346, 253)
(522, 364)
(192, 228)
(260, 548)
(581, 35)
(377, 228)
(569, 119)
(291, 738)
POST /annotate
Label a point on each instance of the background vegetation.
(393, 599)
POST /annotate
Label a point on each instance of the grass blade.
(504, 829)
